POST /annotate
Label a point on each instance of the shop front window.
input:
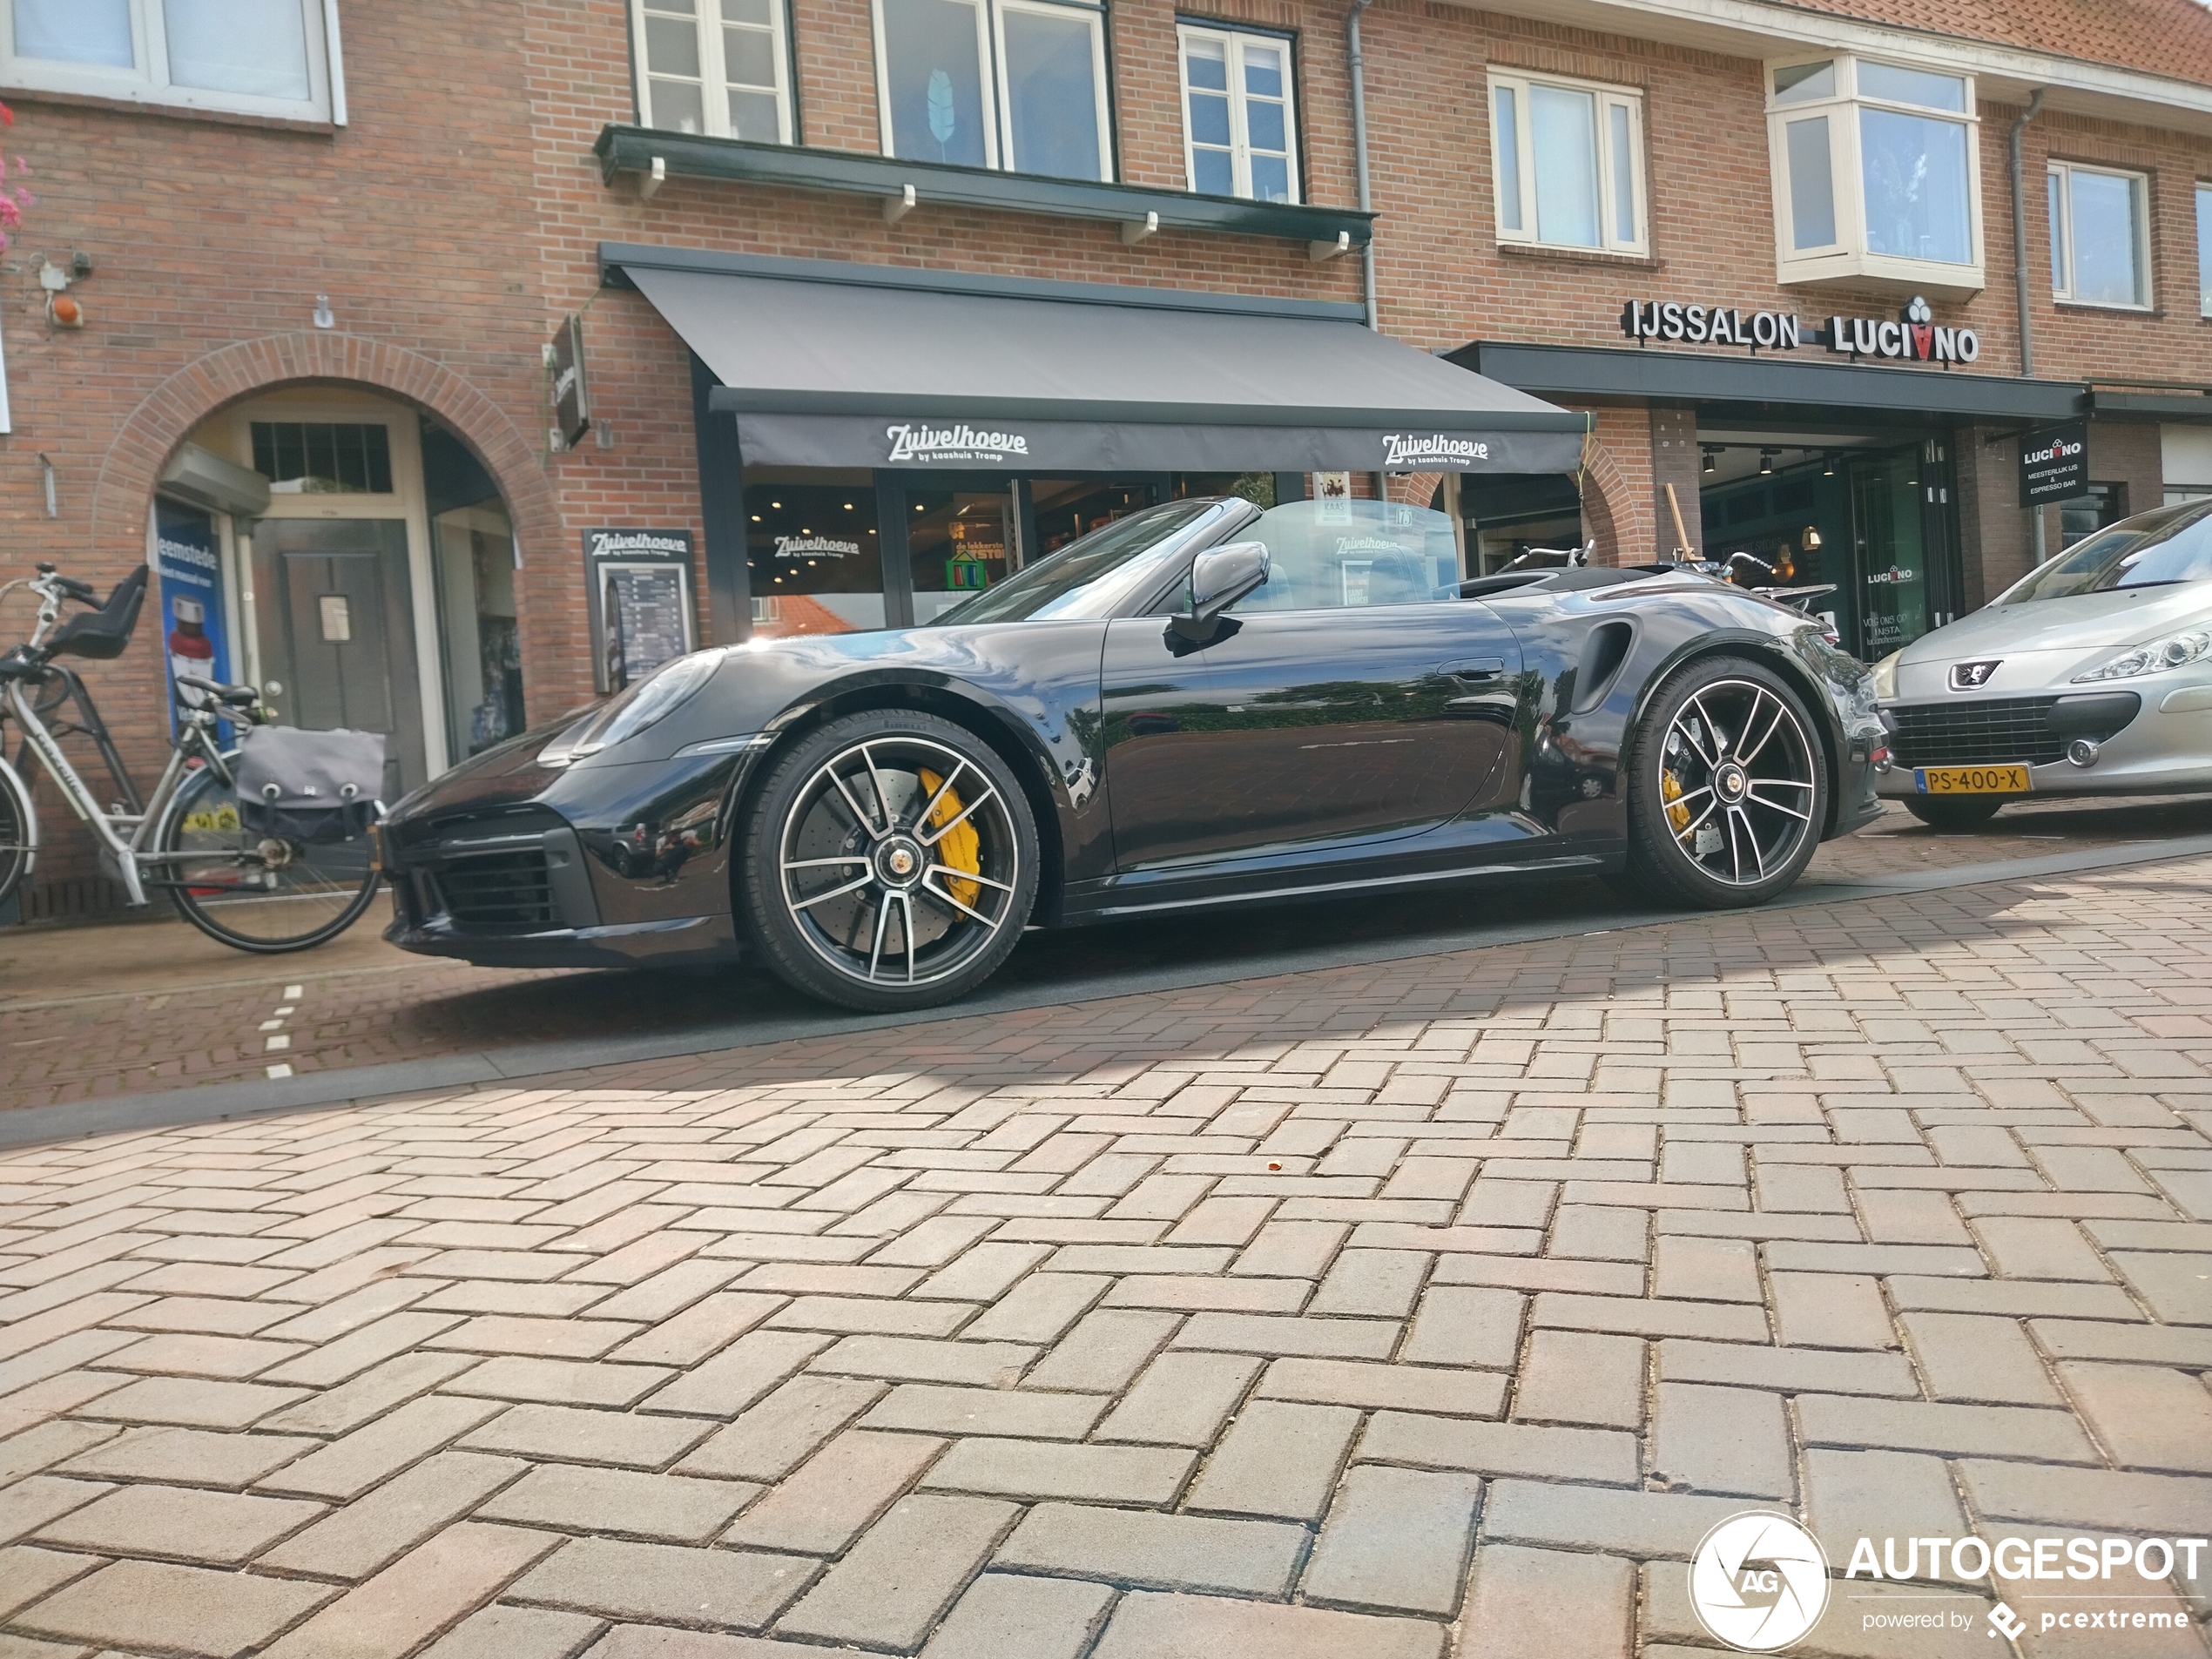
(957, 543)
(717, 67)
(1019, 84)
(1875, 171)
(1239, 130)
(2204, 250)
(1066, 508)
(1886, 499)
(1569, 164)
(813, 554)
(2100, 236)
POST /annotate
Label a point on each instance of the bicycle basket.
(314, 787)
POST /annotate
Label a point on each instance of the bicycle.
(254, 890)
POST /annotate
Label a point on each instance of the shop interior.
(835, 551)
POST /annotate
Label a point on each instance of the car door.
(1303, 724)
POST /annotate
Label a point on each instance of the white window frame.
(2061, 234)
(1609, 98)
(714, 92)
(148, 80)
(1240, 156)
(1848, 258)
(2204, 264)
(990, 48)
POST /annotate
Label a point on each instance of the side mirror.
(1219, 577)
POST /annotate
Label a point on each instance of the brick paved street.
(1436, 1306)
(129, 1007)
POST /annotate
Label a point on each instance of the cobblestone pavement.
(1439, 1306)
(132, 1008)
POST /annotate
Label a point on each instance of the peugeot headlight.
(2176, 650)
(1885, 675)
(650, 700)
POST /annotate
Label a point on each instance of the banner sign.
(571, 399)
(188, 558)
(2054, 464)
(1911, 337)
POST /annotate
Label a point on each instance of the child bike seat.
(103, 633)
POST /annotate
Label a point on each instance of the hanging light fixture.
(1766, 461)
(1828, 464)
(1712, 458)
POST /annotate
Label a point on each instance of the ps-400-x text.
(1200, 705)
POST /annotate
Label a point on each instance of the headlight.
(639, 706)
(2176, 650)
(1885, 675)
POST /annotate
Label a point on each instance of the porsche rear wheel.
(1953, 817)
(890, 862)
(1728, 787)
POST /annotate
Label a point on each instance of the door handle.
(1475, 669)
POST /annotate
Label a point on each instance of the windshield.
(1340, 554)
(1090, 576)
(2151, 549)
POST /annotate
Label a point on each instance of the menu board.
(639, 585)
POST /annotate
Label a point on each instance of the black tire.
(233, 888)
(1950, 816)
(17, 853)
(853, 880)
(1718, 766)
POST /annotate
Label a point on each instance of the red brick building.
(328, 249)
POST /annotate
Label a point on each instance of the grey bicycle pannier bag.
(310, 786)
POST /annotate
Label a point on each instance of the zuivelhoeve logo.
(1758, 1582)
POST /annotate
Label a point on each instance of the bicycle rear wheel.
(17, 846)
(253, 892)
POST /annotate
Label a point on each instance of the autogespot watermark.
(1759, 1582)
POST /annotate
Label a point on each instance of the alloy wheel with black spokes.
(1730, 791)
(890, 862)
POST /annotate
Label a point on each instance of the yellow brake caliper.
(960, 846)
(1670, 791)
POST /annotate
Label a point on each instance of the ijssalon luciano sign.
(1912, 336)
(2054, 464)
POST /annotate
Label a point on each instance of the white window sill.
(2064, 303)
(1572, 252)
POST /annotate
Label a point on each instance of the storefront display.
(639, 583)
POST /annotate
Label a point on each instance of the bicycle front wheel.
(254, 891)
(18, 838)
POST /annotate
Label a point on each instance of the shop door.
(959, 539)
(1939, 533)
(335, 615)
(1890, 553)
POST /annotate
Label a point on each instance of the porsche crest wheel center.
(1729, 780)
(899, 862)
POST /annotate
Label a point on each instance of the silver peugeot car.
(2090, 676)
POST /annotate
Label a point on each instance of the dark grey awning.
(827, 371)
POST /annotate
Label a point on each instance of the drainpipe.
(2020, 273)
(1359, 167)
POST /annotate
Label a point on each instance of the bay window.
(717, 67)
(269, 57)
(1877, 174)
(1239, 125)
(1567, 156)
(2099, 236)
(1018, 85)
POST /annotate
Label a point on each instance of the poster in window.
(638, 588)
(188, 559)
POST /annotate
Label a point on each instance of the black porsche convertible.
(1200, 704)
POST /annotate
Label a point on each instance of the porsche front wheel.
(1728, 787)
(890, 862)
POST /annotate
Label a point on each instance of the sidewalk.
(1435, 1306)
(133, 1008)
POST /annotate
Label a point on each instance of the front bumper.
(515, 893)
(2149, 739)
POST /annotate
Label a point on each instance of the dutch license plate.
(1972, 780)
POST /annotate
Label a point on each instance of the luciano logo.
(1972, 677)
(1424, 448)
(1758, 1582)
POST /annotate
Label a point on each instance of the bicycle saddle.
(103, 633)
(239, 696)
